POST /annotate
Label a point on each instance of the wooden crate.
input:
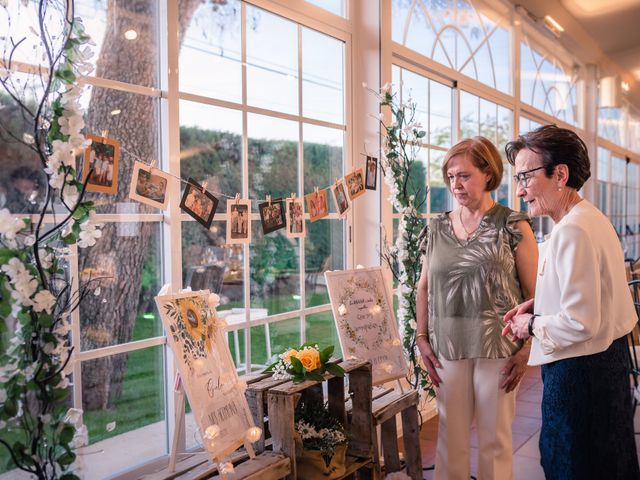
(282, 401)
(385, 409)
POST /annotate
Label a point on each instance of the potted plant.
(321, 442)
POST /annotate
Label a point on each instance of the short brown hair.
(555, 146)
(483, 154)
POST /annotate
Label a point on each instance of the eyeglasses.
(523, 178)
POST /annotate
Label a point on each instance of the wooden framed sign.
(363, 311)
(209, 377)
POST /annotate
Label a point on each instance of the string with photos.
(153, 166)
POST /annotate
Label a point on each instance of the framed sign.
(363, 311)
(216, 395)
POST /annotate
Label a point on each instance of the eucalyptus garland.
(37, 428)
(402, 138)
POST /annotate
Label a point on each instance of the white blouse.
(582, 295)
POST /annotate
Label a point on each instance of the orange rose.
(310, 358)
(286, 356)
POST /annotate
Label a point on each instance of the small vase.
(310, 464)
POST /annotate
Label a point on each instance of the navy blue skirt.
(587, 419)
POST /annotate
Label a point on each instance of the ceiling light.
(552, 25)
(117, 111)
(130, 34)
(625, 86)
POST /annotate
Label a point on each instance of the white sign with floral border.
(196, 336)
(363, 312)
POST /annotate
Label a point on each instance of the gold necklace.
(463, 227)
(469, 233)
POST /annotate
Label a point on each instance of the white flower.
(386, 88)
(44, 301)
(89, 231)
(81, 437)
(213, 300)
(10, 225)
(73, 416)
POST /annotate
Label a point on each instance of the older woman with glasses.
(479, 262)
(579, 317)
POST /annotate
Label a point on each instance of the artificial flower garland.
(402, 139)
(34, 291)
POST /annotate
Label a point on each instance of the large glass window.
(462, 35)
(549, 84)
(287, 137)
(261, 105)
(479, 116)
(434, 112)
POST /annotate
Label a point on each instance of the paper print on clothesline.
(101, 157)
(317, 205)
(272, 215)
(199, 203)
(149, 186)
(355, 183)
(340, 198)
(238, 221)
(295, 218)
(371, 177)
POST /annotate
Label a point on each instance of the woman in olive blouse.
(479, 262)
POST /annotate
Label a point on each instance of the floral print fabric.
(472, 284)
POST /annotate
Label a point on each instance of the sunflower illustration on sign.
(194, 324)
(192, 319)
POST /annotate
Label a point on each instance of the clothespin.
(315, 190)
(104, 134)
(336, 181)
(269, 199)
(204, 186)
(237, 198)
(152, 166)
(293, 196)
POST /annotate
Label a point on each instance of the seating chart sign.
(216, 395)
(363, 312)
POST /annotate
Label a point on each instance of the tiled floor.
(526, 432)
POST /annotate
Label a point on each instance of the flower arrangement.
(306, 362)
(401, 146)
(38, 430)
(319, 431)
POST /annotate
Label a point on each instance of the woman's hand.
(430, 360)
(519, 327)
(515, 369)
(524, 309)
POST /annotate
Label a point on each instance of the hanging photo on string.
(199, 203)
(149, 186)
(340, 197)
(238, 221)
(272, 215)
(317, 205)
(371, 177)
(355, 183)
(102, 158)
(295, 218)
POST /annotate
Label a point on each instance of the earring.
(559, 189)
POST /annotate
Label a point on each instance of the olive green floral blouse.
(472, 284)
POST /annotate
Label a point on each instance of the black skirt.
(587, 419)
